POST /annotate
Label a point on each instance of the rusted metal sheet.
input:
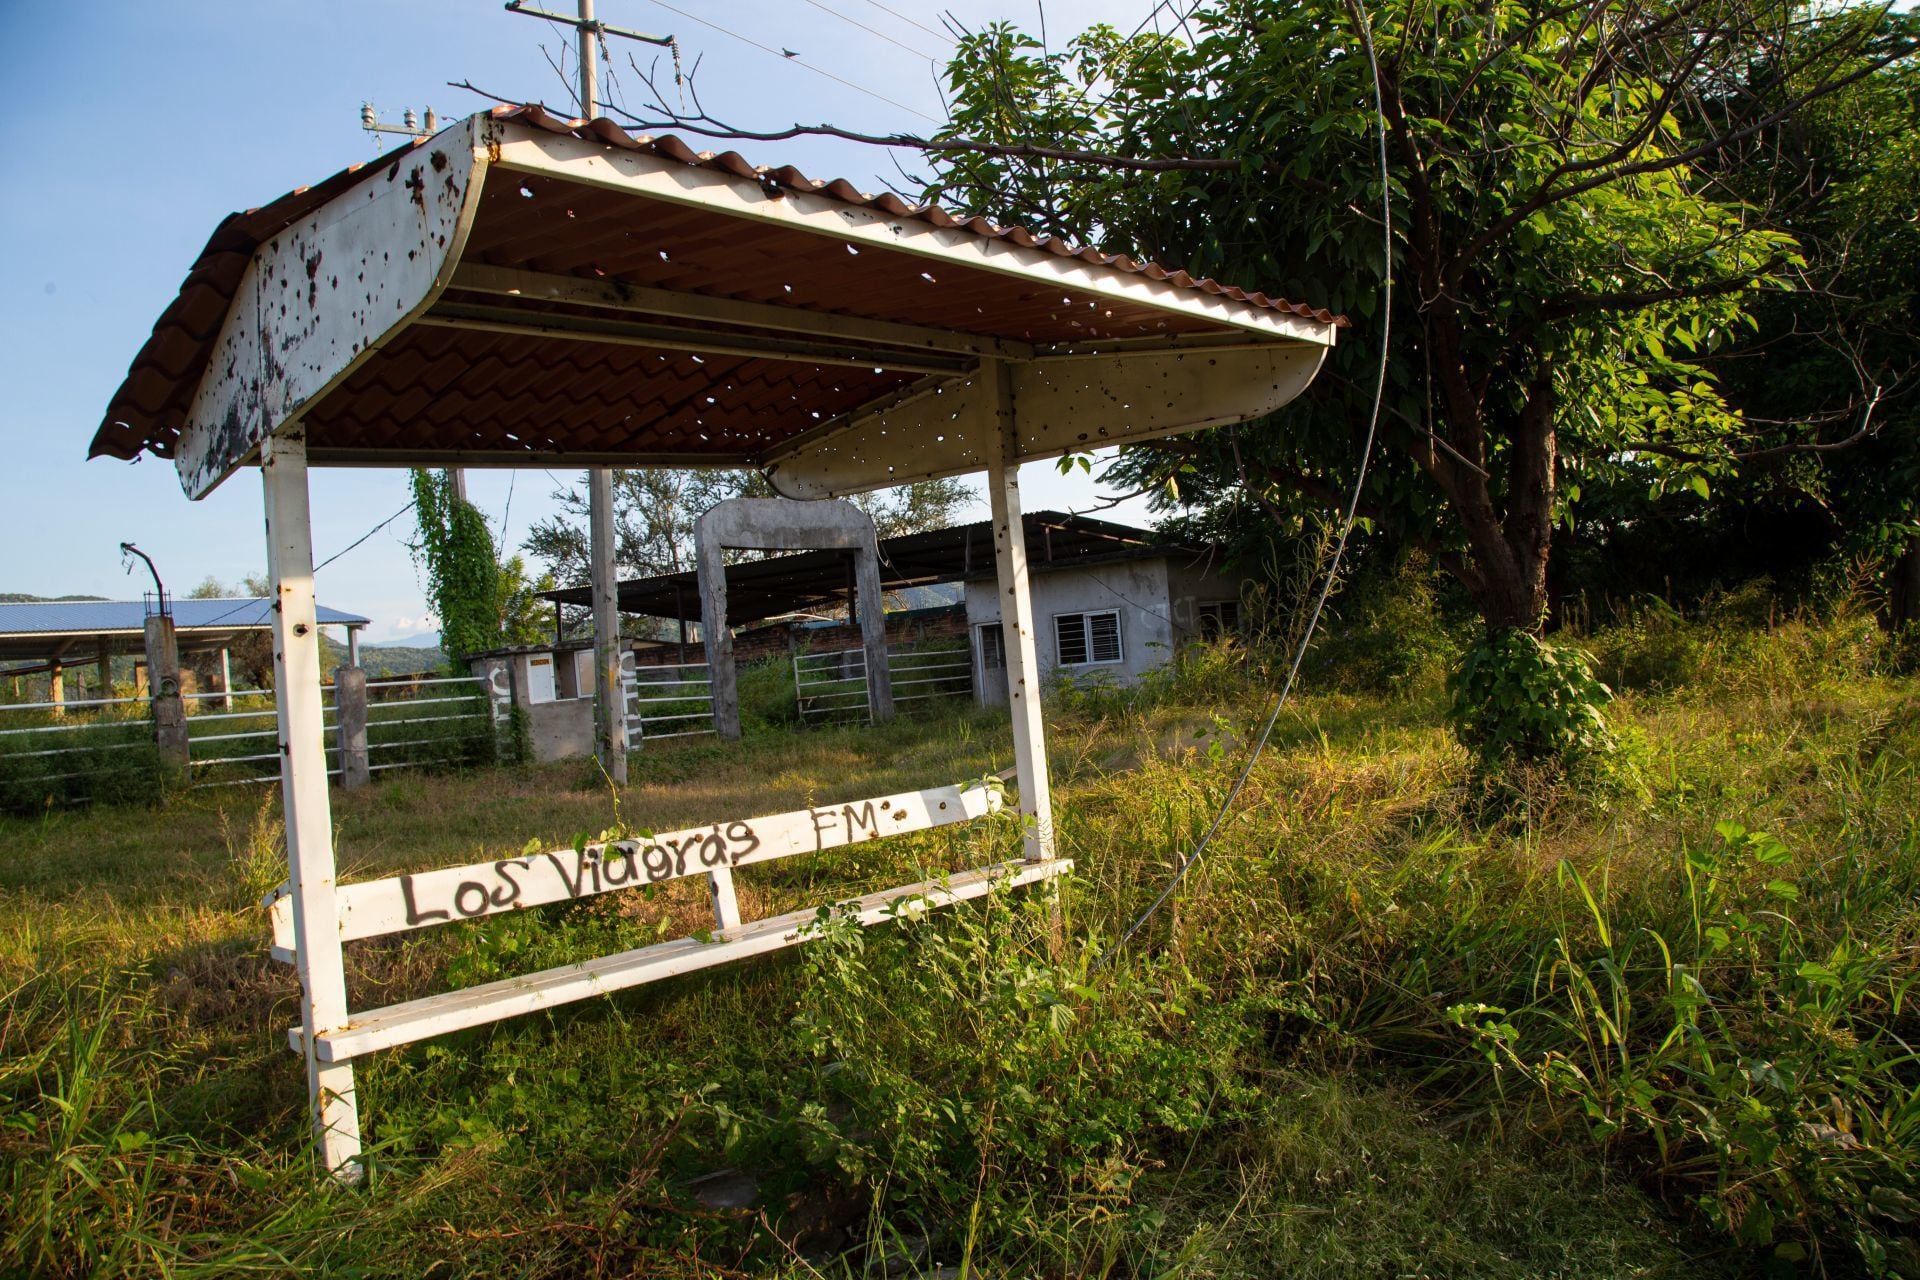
(580, 241)
(319, 298)
(1065, 405)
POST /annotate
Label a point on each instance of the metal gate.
(832, 687)
(673, 701)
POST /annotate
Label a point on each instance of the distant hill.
(384, 659)
(18, 597)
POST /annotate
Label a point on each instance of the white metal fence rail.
(832, 687)
(924, 675)
(673, 701)
(72, 742)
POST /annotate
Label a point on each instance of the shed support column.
(226, 680)
(57, 688)
(303, 793)
(873, 634)
(105, 664)
(722, 687)
(1016, 613)
(609, 700)
(353, 646)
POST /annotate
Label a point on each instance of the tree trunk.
(1903, 595)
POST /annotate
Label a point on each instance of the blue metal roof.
(104, 617)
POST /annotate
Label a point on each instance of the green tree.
(1565, 249)
(654, 510)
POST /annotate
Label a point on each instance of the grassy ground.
(1402, 1023)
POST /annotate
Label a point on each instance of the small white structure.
(1107, 620)
(525, 291)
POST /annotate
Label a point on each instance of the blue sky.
(137, 126)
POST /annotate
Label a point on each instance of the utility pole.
(609, 692)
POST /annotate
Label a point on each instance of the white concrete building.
(1106, 618)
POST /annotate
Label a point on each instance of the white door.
(540, 678)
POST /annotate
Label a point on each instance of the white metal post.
(609, 702)
(1016, 612)
(303, 791)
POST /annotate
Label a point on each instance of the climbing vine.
(463, 571)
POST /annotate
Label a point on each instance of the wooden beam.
(671, 304)
(627, 333)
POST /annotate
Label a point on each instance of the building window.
(1082, 639)
(993, 648)
(1219, 618)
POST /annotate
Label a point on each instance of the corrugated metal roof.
(101, 617)
(492, 395)
(782, 584)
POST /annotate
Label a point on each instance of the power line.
(797, 61)
(363, 537)
(1346, 529)
(937, 35)
(871, 30)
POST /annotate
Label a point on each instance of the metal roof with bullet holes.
(522, 289)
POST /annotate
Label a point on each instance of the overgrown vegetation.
(1656, 1028)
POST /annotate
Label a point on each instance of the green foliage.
(463, 574)
(1760, 1063)
(102, 757)
(1517, 697)
(1566, 277)
(979, 1076)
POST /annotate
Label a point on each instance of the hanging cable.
(796, 60)
(363, 537)
(1357, 9)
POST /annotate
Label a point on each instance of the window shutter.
(1104, 642)
(1070, 637)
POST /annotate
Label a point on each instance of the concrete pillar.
(353, 646)
(609, 692)
(350, 723)
(873, 633)
(311, 873)
(1016, 614)
(226, 681)
(169, 711)
(778, 524)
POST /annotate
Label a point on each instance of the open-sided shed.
(522, 290)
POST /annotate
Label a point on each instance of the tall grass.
(1389, 1027)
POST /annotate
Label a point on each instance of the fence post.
(350, 716)
(169, 711)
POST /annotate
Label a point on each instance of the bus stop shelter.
(522, 290)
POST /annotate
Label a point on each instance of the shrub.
(1517, 697)
(974, 1073)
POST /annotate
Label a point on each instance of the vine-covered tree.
(457, 552)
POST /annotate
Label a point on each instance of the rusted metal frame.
(320, 297)
(521, 148)
(538, 324)
(674, 304)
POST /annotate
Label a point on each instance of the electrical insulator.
(367, 119)
(409, 119)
